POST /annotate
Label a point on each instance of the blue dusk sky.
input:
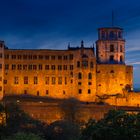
(51, 24)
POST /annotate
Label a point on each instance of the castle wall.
(112, 78)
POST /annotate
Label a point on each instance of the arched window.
(79, 75)
(111, 48)
(89, 76)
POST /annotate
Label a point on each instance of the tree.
(24, 136)
(70, 108)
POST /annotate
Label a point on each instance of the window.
(24, 67)
(64, 92)
(34, 67)
(89, 91)
(120, 34)
(34, 57)
(0, 66)
(16, 80)
(59, 57)
(5, 81)
(78, 64)
(53, 67)
(53, 80)
(103, 35)
(71, 56)
(121, 59)
(47, 57)
(46, 67)
(40, 67)
(29, 67)
(25, 80)
(65, 80)
(89, 83)
(60, 80)
(19, 56)
(59, 67)
(71, 81)
(79, 75)
(6, 66)
(29, 57)
(111, 48)
(0, 78)
(47, 80)
(35, 80)
(85, 64)
(112, 35)
(0, 55)
(91, 64)
(71, 73)
(112, 58)
(79, 83)
(37, 93)
(65, 57)
(112, 71)
(53, 57)
(0, 88)
(65, 67)
(121, 48)
(24, 56)
(40, 57)
(89, 76)
(19, 67)
(25, 91)
(71, 67)
(7, 56)
(47, 92)
(13, 66)
(80, 91)
(13, 56)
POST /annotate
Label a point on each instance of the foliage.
(117, 125)
(24, 136)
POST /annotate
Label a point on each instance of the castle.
(77, 72)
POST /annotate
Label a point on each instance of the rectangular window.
(71, 67)
(19, 56)
(34, 57)
(47, 92)
(60, 80)
(52, 57)
(13, 56)
(24, 67)
(40, 67)
(35, 80)
(29, 67)
(59, 57)
(19, 67)
(0, 88)
(16, 80)
(13, 66)
(6, 66)
(7, 56)
(59, 67)
(47, 57)
(89, 91)
(53, 80)
(79, 83)
(25, 80)
(65, 57)
(46, 67)
(65, 67)
(24, 56)
(29, 57)
(89, 83)
(47, 79)
(25, 91)
(53, 67)
(40, 57)
(5, 81)
(34, 67)
(80, 91)
(71, 56)
(0, 55)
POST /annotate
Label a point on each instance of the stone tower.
(1, 68)
(110, 46)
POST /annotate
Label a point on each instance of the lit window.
(59, 80)
(47, 80)
(35, 80)
(53, 80)
(16, 80)
(25, 80)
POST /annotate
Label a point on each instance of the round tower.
(110, 46)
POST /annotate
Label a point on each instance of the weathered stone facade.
(74, 72)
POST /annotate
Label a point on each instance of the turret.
(110, 46)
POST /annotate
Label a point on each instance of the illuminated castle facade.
(78, 72)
